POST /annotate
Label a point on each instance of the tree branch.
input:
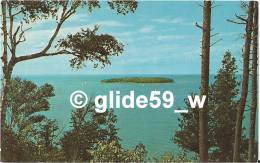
(15, 33)
(235, 22)
(21, 35)
(214, 34)
(64, 15)
(17, 13)
(52, 37)
(199, 26)
(10, 49)
(38, 55)
(49, 44)
(241, 18)
(216, 42)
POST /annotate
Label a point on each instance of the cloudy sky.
(159, 38)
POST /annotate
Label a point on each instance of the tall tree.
(254, 85)
(244, 92)
(222, 102)
(204, 84)
(26, 102)
(5, 80)
(85, 45)
(222, 108)
(88, 128)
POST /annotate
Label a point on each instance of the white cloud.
(79, 17)
(173, 37)
(108, 23)
(177, 20)
(146, 29)
(123, 34)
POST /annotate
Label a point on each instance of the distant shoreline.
(138, 80)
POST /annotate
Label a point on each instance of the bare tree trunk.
(7, 63)
(4, 59)
(242, 103)
(203, 118)
(254, 87)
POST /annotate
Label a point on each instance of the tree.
(222, 109)
(93, 137)
(113, 152)
(222, 102)
(204, 84)
(85, 45)
(88, 128)
(25, 137)
(47, 133)
(25, 101)
(188, 135)
(244, 92)
(30, 136)
(12, 149)
(254, 86)
(48, 141)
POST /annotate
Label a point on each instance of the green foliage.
(93, 137)
(111, 151)
(88, 45)
(88, 128)
(222, 109)
(13, 147)
(27, 135)
(46, 139)
(25, 101)
(48, 133)
(187, 136)
(38, 10)
(122, 6)
(171, 157)
(85, 45)
(221, 115)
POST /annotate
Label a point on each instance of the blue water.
(152, 127)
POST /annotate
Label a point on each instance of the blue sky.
(159, 38)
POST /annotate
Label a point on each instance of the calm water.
(152, 127)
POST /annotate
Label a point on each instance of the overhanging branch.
(43, 53)
(38, 55)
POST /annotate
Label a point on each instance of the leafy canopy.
(30, 136)
(88, 45)
(221, 118)
(27, 134)
(87, 129)
(25, 101)
(84, 45)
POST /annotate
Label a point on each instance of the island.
(138, 80)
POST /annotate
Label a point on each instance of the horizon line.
(72, 74)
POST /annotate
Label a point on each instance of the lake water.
(152, 127)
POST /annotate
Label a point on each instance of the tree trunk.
(4, 59)
(242, 103)
(203, 118)
(254, 87)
